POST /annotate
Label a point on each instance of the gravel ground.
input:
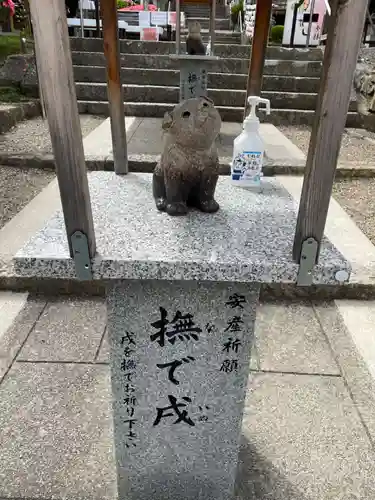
(357, 145)
(18, 186)
(32, 136)
(357, 197)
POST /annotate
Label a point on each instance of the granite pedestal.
(182, 294)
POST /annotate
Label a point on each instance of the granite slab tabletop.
(249, 239)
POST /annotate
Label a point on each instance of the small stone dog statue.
(364, 86)
(187, 172)
(194, 43)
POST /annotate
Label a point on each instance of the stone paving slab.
(103, 354)
(69, 330)
(144, 136)
(56, 433)
(303, 440)
(350, 331)
(289, 338)
(303, 437)
(14, 336)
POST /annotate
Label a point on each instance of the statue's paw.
(161, 204)
(178, 208)
(209, 206)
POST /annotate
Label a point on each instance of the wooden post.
(55, 73)
(114, 88)
(97, 18)
(258, 50)
(340, 58)
(178, 26)
(212, 26)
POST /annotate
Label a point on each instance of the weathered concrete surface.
(221, 97)
(220, 24)
(18, 186)
(232, 65)
(11, 114)
(161, 70)
(170, 77)
(230, 114)
(144, 136)
(221, 50)
(349, 328)
(368, 54)
(33, 137)
(62, 317)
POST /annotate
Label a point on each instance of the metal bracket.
(81, 256)
(307, 262)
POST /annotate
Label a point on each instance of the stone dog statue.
(189, 166)
(364, 86)
(194, 43)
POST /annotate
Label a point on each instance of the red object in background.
(172, 18)
(9, 4)
(138, 8)
(150, 34)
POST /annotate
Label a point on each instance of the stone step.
(235, 66)
(221, 50)
(221, 13)
(221, 97)
(141, 76)
(220, 24)
(231, 114)
(201, 10)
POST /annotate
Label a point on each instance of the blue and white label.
(247, 166)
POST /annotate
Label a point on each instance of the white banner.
(302, 22)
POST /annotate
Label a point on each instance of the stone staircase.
(203, 10)
(151, 80)
(201, 13)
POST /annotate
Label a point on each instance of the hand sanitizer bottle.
(248, 148)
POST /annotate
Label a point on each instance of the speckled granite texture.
(199, 362)
(250, 238)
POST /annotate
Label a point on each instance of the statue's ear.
(167, 121)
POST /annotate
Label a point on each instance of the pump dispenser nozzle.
(254, 101)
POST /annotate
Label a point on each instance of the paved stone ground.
(357, 145)
(18, 186)
(32, 136)
(357, 197)
(303, 436)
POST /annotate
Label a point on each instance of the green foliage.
(121, 4)
(20, 18)
(236, 11)
(11, 94)
(277, 33)
(9, 44)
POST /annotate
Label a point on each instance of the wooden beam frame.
(55, 71)
(340, 58)
(115, 93)
(258, 50)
